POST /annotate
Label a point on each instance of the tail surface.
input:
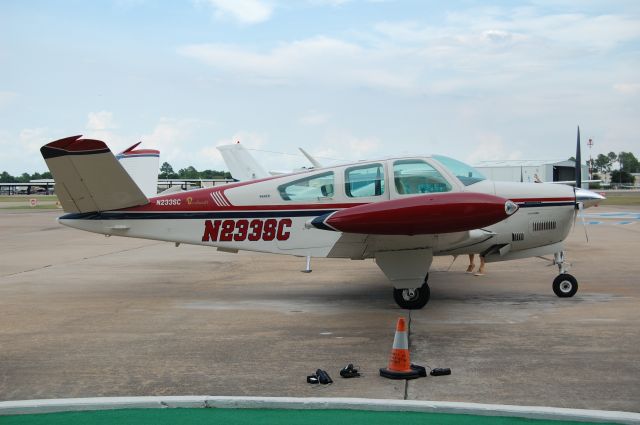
(241, 164)
(142, 165)
(89, 177)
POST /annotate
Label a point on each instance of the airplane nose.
(588, 198)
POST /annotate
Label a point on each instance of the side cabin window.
(413, 176)
(309, 188)
(364, 180)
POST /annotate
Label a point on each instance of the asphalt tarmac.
(82, 315)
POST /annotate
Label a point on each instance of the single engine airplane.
(400, 211)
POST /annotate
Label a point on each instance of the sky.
(344, 79)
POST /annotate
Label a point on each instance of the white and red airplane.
(400, 212)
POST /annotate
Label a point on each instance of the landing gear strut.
(413, 298)
(564, 285)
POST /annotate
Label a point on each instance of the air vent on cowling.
(519, 236)
(539, 226)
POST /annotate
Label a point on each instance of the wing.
(419, 215)
(401, 233)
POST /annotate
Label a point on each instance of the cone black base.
(392, 374)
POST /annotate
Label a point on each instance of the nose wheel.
(564, 285)
(412, 298)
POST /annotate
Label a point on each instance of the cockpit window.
(364, 180)
(308, 188)
(466, 173)
(413, 176)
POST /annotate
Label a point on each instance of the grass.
(29, 207)
(45, 202)
(622, 199)
(18, 198)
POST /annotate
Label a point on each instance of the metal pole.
(590, 144)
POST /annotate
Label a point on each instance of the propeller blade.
(575, 214)
(578, 162)
(584, 225)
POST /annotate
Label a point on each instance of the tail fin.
(88, 177)
(241, 164)
(312, 160)
(142, 165)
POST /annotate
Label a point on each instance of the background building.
(526, 170)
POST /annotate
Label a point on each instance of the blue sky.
(345, 79)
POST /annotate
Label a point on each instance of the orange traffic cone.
(399, 362)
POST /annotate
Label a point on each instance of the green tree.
(7, 178)
(166, 171)
(618, 176)
(24, 178)
(214, 174)
(188, 173)
(629, 162)
(602, 163)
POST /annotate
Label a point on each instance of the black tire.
(565, 285)
(412, 299)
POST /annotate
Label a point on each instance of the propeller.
(578, 162)
(579, 205)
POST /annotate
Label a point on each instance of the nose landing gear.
(564, 285)
(412, 298)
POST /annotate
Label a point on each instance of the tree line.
(604, 163)
(166, 172)
(24, 177)
(627, 164)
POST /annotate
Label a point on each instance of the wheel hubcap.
(565, 286)
(410, 294)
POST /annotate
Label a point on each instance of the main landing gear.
(413, 298)
(564, 285)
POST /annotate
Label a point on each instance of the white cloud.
(100, 121)
(244, 11)
(32, 139)
(170, 136)
(491, 146)
(174, 138)
(317, 60)
(314, 118)
(491, 49)
(6, 97)
(333, 3)
(20, 153)
(341, 145)
(560, 29)
(627, 88)
(251, 139)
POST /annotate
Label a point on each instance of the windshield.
(466, 173)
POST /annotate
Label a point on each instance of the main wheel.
(565, 285)
(412, 298)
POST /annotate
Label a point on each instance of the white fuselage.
(271, 215)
